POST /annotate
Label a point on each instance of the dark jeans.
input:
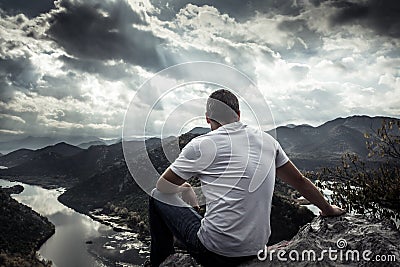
(183, 222)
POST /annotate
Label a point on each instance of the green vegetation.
(368, 189)
(132, 211)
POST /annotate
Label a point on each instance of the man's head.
(222, 107)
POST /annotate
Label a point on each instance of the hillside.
(61, 164)
(34, 142)
(98, 179)
(23, 231)
(43, 166)
(24, 156)
(114, 189)
(115, 193)
(16, 158)
(311, 148)
(91, 143)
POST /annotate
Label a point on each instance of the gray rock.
(348, 240)
(181, 260)
(347, 237)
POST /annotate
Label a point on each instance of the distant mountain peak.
(86, 145)
(36, 142)
(61, 148)
(60, 144)
(199, 130)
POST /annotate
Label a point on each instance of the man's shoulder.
(197, 139)
(214, 137)
(258, 131)
(262, 136)
(210, 134)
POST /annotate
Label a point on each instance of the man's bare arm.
(171, 183)
(291, 175)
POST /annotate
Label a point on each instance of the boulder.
(348, 240)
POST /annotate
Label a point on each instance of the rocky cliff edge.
(348, 240)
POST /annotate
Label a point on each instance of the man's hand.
(171, 183)
(333, 211)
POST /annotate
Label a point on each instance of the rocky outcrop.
(181, 260)
(287, 217)
(348, 240)
(16, 189)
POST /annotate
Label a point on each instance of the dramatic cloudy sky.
(72, 66)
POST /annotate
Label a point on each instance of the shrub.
(369, 187)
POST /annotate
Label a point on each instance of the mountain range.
(98, 177)
(309, 147)
(34, 142)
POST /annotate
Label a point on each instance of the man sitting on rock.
(236, 165)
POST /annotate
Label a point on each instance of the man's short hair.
(223, 107)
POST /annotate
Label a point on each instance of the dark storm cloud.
(383, 16)
(240, 10)
(298, 28)
(317, 2)
(16, 73)
(104, 31)
(31, 8)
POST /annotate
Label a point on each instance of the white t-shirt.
(236, 165)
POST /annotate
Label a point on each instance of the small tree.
(369, 187)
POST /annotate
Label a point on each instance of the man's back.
(236, 165)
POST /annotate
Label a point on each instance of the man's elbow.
(159, 185)
(165, 186)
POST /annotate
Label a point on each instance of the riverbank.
(88, 242)
(23, 232)
(42, 181)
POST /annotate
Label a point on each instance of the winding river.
(79, 240)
